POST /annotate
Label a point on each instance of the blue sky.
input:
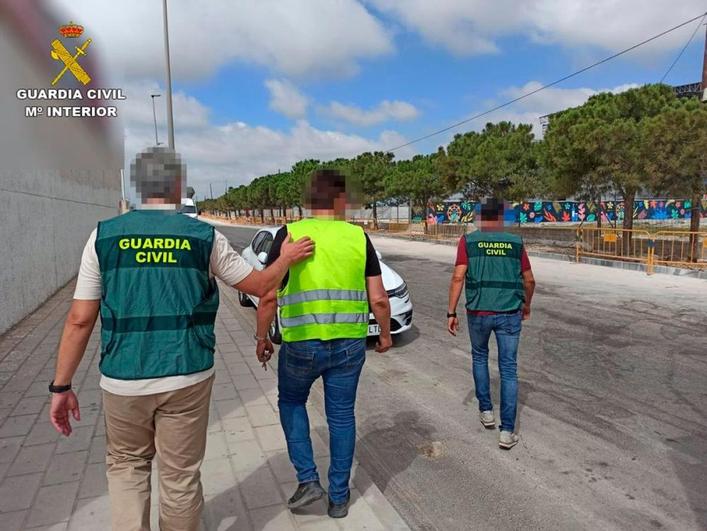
(259, 85)
(442, 86)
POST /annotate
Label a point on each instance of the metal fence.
(632, 245)
(673, 248)
(431, 231)
(680, 248)
(683, 249)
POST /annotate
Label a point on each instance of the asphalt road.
(612, 405)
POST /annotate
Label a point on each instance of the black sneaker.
(305, 494)
(339, 510)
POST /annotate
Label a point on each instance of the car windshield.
(188, 209)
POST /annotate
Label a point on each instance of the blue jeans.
(339, 363)
(506, 327)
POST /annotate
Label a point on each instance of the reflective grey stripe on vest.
(324, 318)
(323, 295)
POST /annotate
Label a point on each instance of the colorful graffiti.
(563, 211)
(567, 211)
(578, 211)
(447, 212)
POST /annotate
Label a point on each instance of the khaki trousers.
(171, 425)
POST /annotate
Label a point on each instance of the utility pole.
(123, 204)
(170, 119)
(154, 116)
(696, 197)
(211, 190)
(704, 70)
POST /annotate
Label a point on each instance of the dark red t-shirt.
(463, 259)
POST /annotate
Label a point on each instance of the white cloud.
(467, 27)
(548, 101)
(555, 99)
(286, 99)
(456, 25)
(136, 109)
(236, 152)
(384, 111)
(297, 37)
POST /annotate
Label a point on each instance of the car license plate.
(374, 330)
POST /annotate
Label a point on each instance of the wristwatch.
(258, 338)
(59, 388)
(453, 314)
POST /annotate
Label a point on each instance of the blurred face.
(491, 223)
(325, 194)
(158, 176)
(490, 215)
(340, 205)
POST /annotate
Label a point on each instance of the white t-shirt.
(225, 264)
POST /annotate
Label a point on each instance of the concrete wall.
(58, 177)
(43, 229)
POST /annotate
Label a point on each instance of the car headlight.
(401, 291)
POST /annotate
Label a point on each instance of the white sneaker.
(507, 440)
(487, 419)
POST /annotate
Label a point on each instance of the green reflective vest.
(493, 278)
(325, 297)
(158, 304)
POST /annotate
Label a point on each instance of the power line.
(683, 48)
(556, 82)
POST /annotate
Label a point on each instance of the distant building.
(691, 90)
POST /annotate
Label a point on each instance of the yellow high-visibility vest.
(325, 296)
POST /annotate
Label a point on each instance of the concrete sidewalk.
(48, 482)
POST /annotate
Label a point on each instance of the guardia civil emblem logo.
(61, 54)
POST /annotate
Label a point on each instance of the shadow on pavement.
(390, 445)
(688, 457)
(404, 339)
(524, 389)
(227, 511)
(399, 340)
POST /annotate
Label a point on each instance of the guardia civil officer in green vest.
(493, 267)
(324, 306)
(150, 274)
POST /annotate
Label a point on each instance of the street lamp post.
(704, 70)
(170, 120)
(154, 116)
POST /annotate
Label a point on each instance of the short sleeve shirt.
(225, 263)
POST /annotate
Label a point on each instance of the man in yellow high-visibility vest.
(324, 307)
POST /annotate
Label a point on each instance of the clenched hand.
(384, 343)
(264, 351)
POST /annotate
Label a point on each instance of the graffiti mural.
(447, 212)
(567, 211)
(589, 211)
(665, 209)
(563, 211)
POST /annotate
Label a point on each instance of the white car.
(188, 208)
(256, 254)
